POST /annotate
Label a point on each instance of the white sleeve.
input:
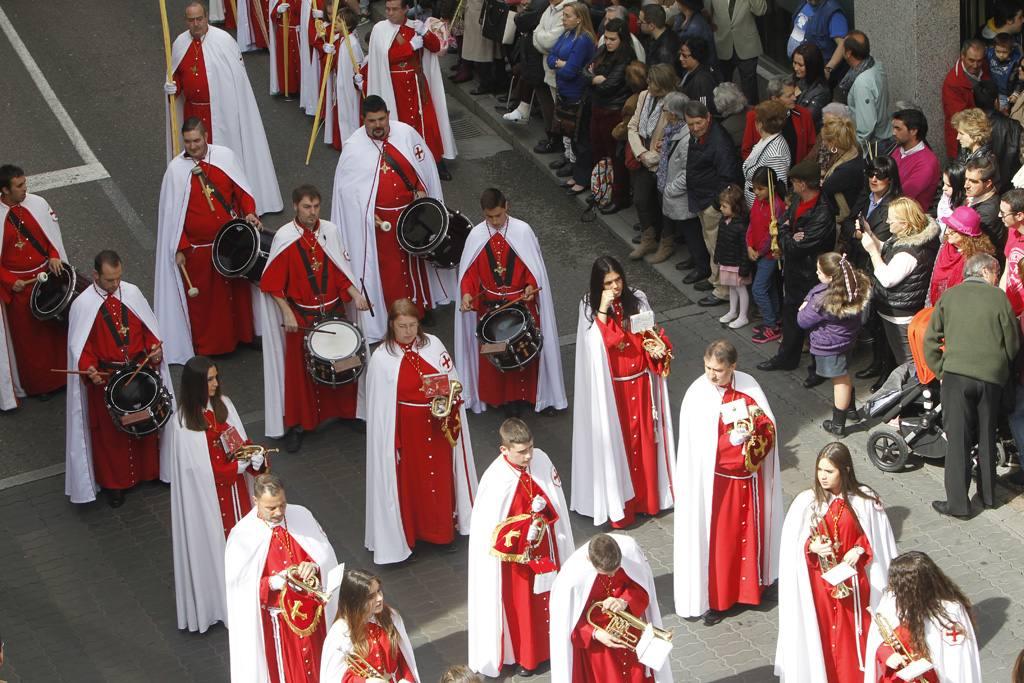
(896, 270)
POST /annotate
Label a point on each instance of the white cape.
(309, 65)
(234, 113)
(550, 383)
(488, 635)
(244, 31)
(338, 644)
(959, 663)
(342, 99)
(10, 384)
(385, 534)
(379, 81)
(197, 533)
(169, 291)
(295, 33)
(79, 475)
(245, 556)
(695, 474)
(568, 603)
(329, 239)
(601, 484)
(798, 656)
(352, 208)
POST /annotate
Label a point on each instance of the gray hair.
(780, 83)
(675, 103)
(837, 109)
(978, 264)
(267, 483)
(695, 109)
(616, 11)
(729, 99)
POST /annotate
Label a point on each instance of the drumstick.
(144, 361)
(369, 304)
(77, 372)
(193, 292)
(514, 301)
(384, 225)
(42, 277)
(311, 329)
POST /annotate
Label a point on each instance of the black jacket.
(877, 221)
(700, 85)
(731, 245)
(992, 225)
(815, 98)
(711, 164)
(908, 296)
(800, 259)
(846, 181)
(1005, 146)
(613, 92)
(531, 61)
(664, 50)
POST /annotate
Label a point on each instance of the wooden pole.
(323, 80)
(172, 100)
(261, 20)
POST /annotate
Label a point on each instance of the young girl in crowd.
(731, 255)
(766, 264)
(832, 315)
(953, 193)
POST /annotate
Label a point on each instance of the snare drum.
(52, 299)
(509, 337)
(141, 406)
(335, 352)
(241, 250)
(430, 230)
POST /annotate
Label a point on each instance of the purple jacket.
(829, 335)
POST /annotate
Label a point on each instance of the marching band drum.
(137, 400)
(509, 336)
(241, 250)
(335, 352)
(53, 295)
(430, 230)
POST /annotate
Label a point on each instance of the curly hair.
(839, 134)
(920, 588)
(849, 290)
(969, 246)
(974, 123)
(771, 115)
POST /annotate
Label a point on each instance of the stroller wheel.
(887, 449)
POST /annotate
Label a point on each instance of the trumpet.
(828, 561)
(246, 453)
(441, 406)
(310, 586)
(656, 346)
(890, 638)
(625, 628)
(362, 668)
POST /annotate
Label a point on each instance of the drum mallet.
(385, 226)
(193, 292)
(42, 277)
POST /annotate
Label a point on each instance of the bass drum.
(514, 328)
(430, 230)
(335, 352)
(51, 300)
(241, 250)
(139, 405)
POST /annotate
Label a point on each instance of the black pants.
(792, 334)
(547, 107)
(689, 231)
(970, 408)
(647, 199)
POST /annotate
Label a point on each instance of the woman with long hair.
(622, 443)
(420, 476)
(368, 639)
(209, 491)
(954, 192)
(840, 525)
(812, 89)
(962, 239)
(923, 621)
(842, 180)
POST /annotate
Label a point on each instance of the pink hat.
(965, 221)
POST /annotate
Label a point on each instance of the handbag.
(632, 163)
(494, 19)
(567, 117)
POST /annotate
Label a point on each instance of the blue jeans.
(766, 291)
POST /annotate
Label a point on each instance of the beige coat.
(546, 35)
(738, 31)
(476, 48)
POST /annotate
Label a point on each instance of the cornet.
(656, 346)
(246, 453)
(310, 586)
(362, 668)
(625, 628)
(828, 561)
(889, 637)
(441, 406)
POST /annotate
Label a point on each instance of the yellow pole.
(234, 10)
(323, 80)
(172, 100)
(261, 20)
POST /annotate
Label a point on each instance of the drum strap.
(116, 333)
(318, 288)
(216, 193)
(396, 167)
(23, 231)
(502, 276)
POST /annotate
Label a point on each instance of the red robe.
(121, 461)
(401, 276)
(229, 16)
(737, 508)
(38, 345)
(232, 493)
(887, 675)
(294, 54)
(257, 7)
(836, 623)
(592, 661)
(193, 87)
(382, 658)
(628, 359)
(308, 403)
(412, 94)
(426, 484)
(300, 654)
(505, 282)
(526, 612)
(221, 314)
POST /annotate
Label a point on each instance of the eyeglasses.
(878, 175)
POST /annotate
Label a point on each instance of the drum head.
(140, 393)
(50, 296)
(345, 340)
(422, 223)
(236, 248)
(504, 325)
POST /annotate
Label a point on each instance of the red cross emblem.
(555, 478)
(446, 361)
(955, 634)
(418, 152)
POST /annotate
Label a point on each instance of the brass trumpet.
(246, 453)
(656, 346)
(625, 628)
(890, 638)
(828, 561)
(362, 668)
(441, 406)
(310, 586)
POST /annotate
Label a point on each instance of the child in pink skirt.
(734, 267)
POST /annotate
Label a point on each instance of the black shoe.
(704, 285)
(115, 497)
(548, 147)
(442, 172)
(773, 363)
(558, 163)
(550, 411)
(878, 384)
(358, 426)
(812, 381)
(572, 192)
(869, 372)
(428, 318)
(256, 344)
(43, 398)
(837, 425)
(711, 300)
(508, 410)
(942, 507)
(713, 616)
(564, 171)
(609, 208)
(451, 548)
(636, 239)
(523, 672)
(293, 440)
(688, 264)
(694, 277)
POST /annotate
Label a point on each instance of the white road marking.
(51, 180)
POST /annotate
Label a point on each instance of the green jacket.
(975, 324)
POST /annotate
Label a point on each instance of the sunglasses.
(879, 175)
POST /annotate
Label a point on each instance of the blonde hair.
(973, 123)
(582, 12)
(840, 134)
(908, 211)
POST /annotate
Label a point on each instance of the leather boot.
(837, 425)
(852, 414)
(666, 247)
(648, 245)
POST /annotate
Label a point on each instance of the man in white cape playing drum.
(357, 204)
(727, 525)
(211, 82)
(263, 634)
(519, 537)
(520, 238)
(624, 567)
